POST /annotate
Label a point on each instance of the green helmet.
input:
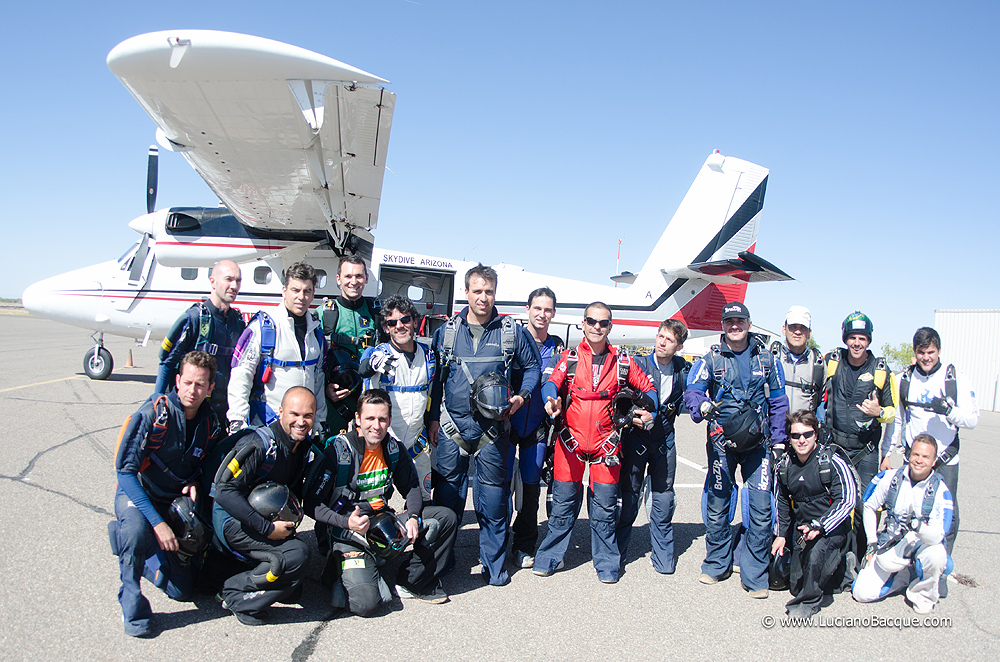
(857, 322)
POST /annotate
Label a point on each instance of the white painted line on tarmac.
(693, 465)
(51, 381)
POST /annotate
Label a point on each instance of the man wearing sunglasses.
(816, 494)
(588, 378)
(405, 369)
(474, 345)
(740, 389)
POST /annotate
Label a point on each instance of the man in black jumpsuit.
(813, 511)
(275, 453)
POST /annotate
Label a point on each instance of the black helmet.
(344, 375)
(623, 407)
(779, 573)
(274, 502)
(857, 322)
(490, 396)
(192, 537)
(386, 536)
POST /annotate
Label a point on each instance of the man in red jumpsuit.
(588, 378)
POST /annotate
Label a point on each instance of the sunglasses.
(799, 435)
(405, 319)
(590, 321)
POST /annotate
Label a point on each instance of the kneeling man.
(817, 492)
(349, 485)
(912, 555)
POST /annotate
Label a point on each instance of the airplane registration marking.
(51, 381)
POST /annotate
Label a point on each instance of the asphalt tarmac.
(60, 581)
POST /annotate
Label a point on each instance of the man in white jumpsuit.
(405, 369)
(911, 555)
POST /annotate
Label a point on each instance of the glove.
(777, 451)
(942, 406)
(236, 426)
(384, 362)
(707, 410)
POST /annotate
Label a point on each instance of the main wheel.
(97, 363)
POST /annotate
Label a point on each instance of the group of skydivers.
(328, 413)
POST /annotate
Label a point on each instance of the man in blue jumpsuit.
(654, 451)
(739, 388)
(159, 458)
(529, 431)
(212, 326)
(473, 343)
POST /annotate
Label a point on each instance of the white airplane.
(294, 144)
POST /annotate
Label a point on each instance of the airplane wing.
(288, 139)
(746, 268)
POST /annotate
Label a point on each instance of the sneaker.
(548, 573)
(435, 596)
(525, 560)
(924, 608)
(608, 580)
(760, 594)
(709, 579)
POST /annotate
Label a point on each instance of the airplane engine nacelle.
(200, 237)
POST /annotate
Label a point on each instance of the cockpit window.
(124, 261)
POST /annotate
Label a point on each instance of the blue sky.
(878, 122)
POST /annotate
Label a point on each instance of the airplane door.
(432, 292)
(131, 277)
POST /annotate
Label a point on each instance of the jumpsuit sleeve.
(888, 397)
(178, 342)
(319, 384)
(874, 498)
(556, 375)
(437, 386)
(784, 510)
(942, 513)
(965, 413)
(696, 392)
(638, 378)
(234, 481)
(843, 491)
(777, 406)
(529, 360)
(365, 365)
(130, 456)
(404, 477)
(246, 357)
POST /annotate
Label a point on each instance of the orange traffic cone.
(129, 364)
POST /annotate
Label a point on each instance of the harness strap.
(448, 426)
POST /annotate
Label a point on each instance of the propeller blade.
(151, 171)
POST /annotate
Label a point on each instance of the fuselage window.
(320, 279)
(189, 273)
(415, 293)
(262, 275)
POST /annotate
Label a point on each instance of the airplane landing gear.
(97, 362)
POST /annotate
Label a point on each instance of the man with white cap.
(803, 365)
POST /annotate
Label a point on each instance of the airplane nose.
(142, 224)
(32, 298)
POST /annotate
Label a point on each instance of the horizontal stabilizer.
(747, 268)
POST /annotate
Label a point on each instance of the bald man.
(211, 325)
(272, 454)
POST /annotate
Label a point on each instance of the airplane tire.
(98, 364)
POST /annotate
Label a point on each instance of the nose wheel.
(97, 362)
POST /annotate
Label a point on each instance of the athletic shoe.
(608, 580)
(525, 560)
(760, 594)
(709, 579)
(924, 608)
(435, 596)
(547, 573)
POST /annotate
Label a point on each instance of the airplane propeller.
(135, 273)
(151, 175)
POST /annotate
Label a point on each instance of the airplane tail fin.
(709, 243)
